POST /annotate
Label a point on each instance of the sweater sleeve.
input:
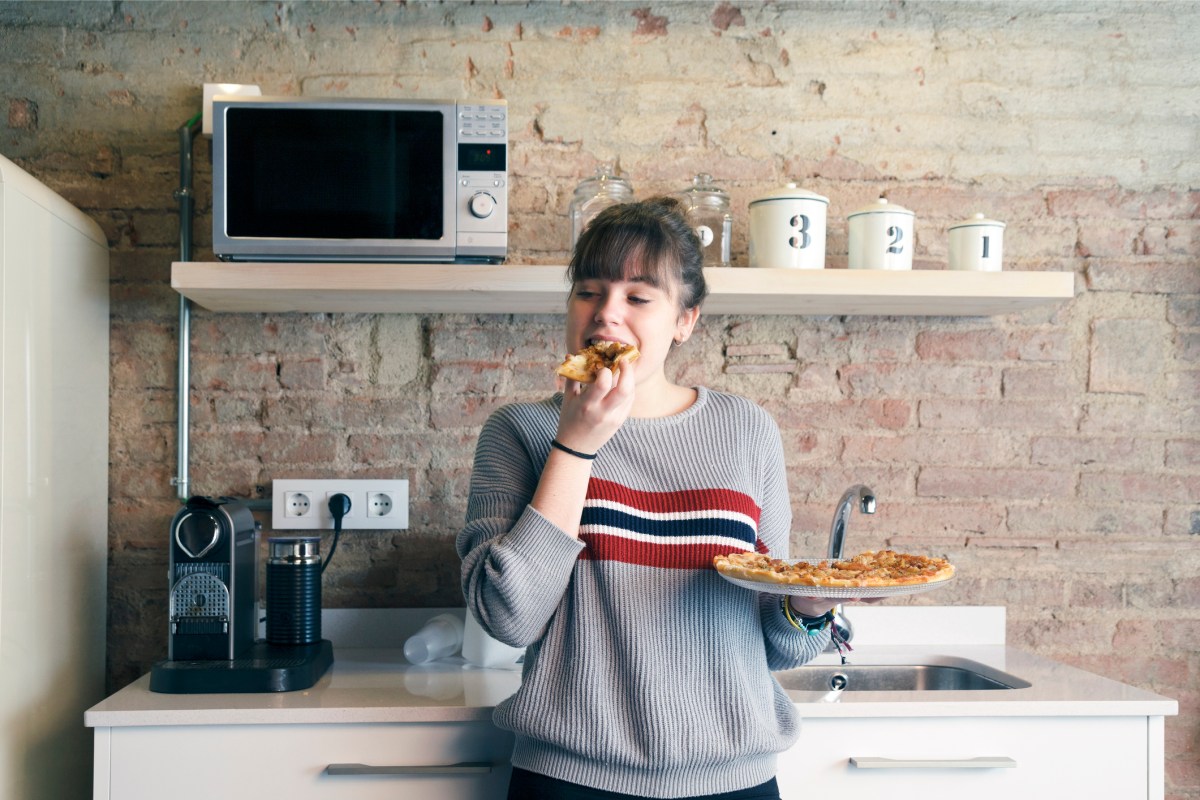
(516, 564)
(786, 646)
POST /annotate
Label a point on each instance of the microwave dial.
(482, 205)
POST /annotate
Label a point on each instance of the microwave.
(339, 179)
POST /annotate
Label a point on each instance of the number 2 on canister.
(897, 234)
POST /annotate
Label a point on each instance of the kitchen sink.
(964, 675)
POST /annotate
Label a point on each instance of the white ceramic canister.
(881, 236)
(787, 229)
(977, 244)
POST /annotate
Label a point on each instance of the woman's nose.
(608, 309)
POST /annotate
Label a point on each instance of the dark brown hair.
(650, 240)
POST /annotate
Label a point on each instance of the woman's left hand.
(816, 606)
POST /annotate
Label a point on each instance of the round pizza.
(868, 569)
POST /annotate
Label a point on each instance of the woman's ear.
(686, 323)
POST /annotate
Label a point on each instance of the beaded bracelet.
(810, 625)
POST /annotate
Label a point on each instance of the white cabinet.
(983, 758)
(199, 762)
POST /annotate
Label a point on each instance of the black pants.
(527, 785)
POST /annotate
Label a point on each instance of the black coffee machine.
(212, 643)
(212, 580)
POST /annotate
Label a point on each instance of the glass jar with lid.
(593, 195)
(706, 207)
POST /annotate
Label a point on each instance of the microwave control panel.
(482, 180)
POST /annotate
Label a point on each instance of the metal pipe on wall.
(186, 199)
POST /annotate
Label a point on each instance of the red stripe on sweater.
(607, 547)
(668, 502)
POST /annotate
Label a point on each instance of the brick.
(1184, 311)
(1181, 521)
(22, 114)
(875, 344)
(958, 346)
(236, 410)
(1072, 518)
(462, 411)
(885, 414)
(991, 414)
(1071, 450)
(1041, 345)
(786, 368)
(301, 374)
(474, 377)
(1094, 594)
(1140, 486)
(1010, 543)
(1122, 415)
(1143, 275)
(1183, 454)
(377, 449)
(1036, 381)
(1114, 203)
(1015, 483)
(776, 351)
(1127, 356)
(933, 448)
(320, 449)
(815, 382)
(920, 380)
(951, 519)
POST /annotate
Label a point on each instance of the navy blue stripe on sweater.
(673, 528)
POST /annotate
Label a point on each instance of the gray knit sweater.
(645, 672)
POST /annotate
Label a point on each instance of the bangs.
(624, 253)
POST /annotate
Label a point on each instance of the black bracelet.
(560, 446)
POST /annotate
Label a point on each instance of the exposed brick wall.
(1052, 454)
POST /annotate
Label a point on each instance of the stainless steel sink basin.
(962, 676)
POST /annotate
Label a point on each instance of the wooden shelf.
(514, 289)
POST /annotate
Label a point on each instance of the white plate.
(837, 592)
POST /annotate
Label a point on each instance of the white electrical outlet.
(303, 504)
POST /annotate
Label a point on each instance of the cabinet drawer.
(257, 761)
(996, 758)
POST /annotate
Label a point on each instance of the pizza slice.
(584, 365)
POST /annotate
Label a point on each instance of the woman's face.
(632, 310)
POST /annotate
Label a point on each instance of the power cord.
(339, 506)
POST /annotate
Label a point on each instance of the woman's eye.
(638, 300)
(584, 295)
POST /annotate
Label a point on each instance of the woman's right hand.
(593, 412)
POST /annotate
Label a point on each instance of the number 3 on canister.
(800, 223)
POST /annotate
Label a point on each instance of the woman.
(593, 519)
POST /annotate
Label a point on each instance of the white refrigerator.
(54, 321)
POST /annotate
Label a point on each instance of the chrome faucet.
(864, 498)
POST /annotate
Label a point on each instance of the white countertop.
(367, 685)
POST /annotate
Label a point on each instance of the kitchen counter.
(367, 685)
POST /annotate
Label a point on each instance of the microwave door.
(338, 184)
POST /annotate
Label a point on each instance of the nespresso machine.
(212, 580)
(212, 643)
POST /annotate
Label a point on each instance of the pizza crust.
(584, 365)
(869, 569)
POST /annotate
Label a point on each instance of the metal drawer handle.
(461, 768)
(982, 762)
